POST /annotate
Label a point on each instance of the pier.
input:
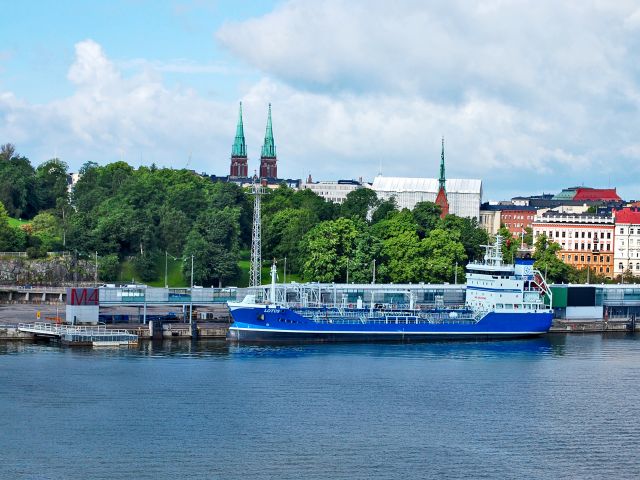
(96, 336)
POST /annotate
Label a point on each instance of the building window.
(620, 266)
(557, 233)
(631, 231)
(607, 269)
(576, 258)
(588, 258)
(563, 234)
(609, 235)
(600, 269)
(582, 246)
(582, 258)
(588, 234)
(576, 246)
(608, 247)
(582, 234)
(563, 258)
(621, 230)
(601, 258)
(607, 258)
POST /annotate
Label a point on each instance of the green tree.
(427, 216)
(384, 210)
(327, 248)
(46, 227)
(214, 243)
(109, 267)
(51, 183)
(547, 261)
(359, 203)
(11, 239)
(469, 233)
(17, 184)
(444, 250)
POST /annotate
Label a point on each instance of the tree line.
(140, 215)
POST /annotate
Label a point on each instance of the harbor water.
(560, 406)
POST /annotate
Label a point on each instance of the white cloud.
(530, 95)
(109, 116)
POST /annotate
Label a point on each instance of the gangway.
(80, 335)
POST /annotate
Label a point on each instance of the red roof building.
(595, 194)
(627, 245)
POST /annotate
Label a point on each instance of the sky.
(530, 96)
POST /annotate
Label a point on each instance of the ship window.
(508, 305)
(499, 305)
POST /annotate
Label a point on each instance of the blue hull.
(256, 324)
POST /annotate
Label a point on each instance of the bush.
(145, 266)
(109, 267)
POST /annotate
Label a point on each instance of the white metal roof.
(411, 184)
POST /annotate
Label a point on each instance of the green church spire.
(269, 147)
(442, 179)
(239, 148)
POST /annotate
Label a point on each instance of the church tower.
(268, 159)
(239, 159)
(441, 198)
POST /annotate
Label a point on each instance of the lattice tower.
(256, 238)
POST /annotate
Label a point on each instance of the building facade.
(516, 218)
(627, 242)
(463, 195)
(586, 240)
(490, 220)
(335, 192)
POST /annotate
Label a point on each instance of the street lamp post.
(166, 256)
(191, 271)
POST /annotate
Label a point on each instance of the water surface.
(555, 407)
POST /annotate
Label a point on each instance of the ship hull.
(261, 324)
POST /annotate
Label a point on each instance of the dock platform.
(75, 335)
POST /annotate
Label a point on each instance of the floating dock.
(74, 335)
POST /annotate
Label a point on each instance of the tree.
(327, 248)
(385, 209)
(51, 183)
(109, 267)
(17, 180)
(427, 216)
(283, 232)
(213, 242)
(11, 239)
(510, 244)
(444, 251)
(359, 203)
(547, 261)
(470, 234)
(46, 227)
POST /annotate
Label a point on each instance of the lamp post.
(192, 271)
(166, 256)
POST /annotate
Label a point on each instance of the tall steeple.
(239, 150)
(442, 181)
(441, 198)
(268, 159)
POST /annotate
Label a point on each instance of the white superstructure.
(464, 195)
(496, 286)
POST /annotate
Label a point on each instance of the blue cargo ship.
(501, 301)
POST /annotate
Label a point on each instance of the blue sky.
(531, 96)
